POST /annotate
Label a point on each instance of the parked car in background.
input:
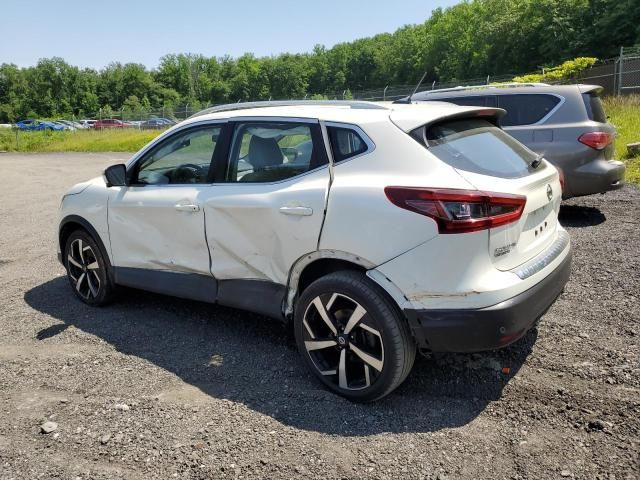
(376, 229)
(154, 123)
(38, 125)
(564, 123)
(110, 123)
(88, 123)
(65, 125)
(72, 123)
(167, 121)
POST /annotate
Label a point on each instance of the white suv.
(377, 229)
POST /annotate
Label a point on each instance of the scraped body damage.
(88, 201)
(469, 282)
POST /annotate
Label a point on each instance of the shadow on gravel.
(580, 216)
(250, 359)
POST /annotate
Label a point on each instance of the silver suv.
(564, 123)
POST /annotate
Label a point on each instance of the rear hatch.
(494, 162)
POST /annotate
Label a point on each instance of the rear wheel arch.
(312, 266)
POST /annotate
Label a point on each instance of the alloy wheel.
(83, 268)
(343, 342)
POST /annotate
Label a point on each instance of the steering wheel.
(187, 173)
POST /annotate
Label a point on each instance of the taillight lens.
(561, 178)
(597, 140)
(459, 211)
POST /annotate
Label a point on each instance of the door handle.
(187, 207)
(300, 211)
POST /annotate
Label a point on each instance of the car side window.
(183, 158)
(273, 151)
(526, 108)
(345, 143)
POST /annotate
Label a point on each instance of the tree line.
(469, 40)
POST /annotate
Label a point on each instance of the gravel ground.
(155, 387)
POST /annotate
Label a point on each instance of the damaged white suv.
(377, 229)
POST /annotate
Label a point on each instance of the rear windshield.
(594, 107)
(476, 145)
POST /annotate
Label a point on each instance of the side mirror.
(116, 175)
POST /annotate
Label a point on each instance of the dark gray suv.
(564, 123)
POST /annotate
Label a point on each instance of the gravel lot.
(155, 387)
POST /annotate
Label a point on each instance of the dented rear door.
(257, 222)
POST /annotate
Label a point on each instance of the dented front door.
(159, 227)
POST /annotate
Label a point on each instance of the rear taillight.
(459, 211)
(561, 178)
(597, 140)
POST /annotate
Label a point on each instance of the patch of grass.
(115, 140)
(624, 114)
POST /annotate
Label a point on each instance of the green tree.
(472, 39)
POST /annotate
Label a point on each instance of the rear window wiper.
(535, 163)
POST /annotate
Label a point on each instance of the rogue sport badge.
(549, 192)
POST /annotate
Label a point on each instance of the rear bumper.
(594, 177)
(473, 330)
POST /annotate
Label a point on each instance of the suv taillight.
(561, 178)
(459, 211)
(597, 140)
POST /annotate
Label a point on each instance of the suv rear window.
(476, 145)
(526, 108)
(595, 110)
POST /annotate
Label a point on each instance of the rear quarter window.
(345, 143)
(477, 146)
(526, 108)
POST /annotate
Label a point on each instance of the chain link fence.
(617, 76)
(139, 116)
(627, 71)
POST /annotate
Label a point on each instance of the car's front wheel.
(353, 337)
(87, 269)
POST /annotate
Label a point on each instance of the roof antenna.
(417, 86)
(408, 100)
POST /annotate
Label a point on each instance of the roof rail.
(289, 103)
(497, 85)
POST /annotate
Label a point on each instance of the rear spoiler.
(411, 122)
(592, 89)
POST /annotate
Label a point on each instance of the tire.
(353, 337)
(87, 269)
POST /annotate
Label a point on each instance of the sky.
(93, 33)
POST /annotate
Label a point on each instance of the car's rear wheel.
(87, 269)
(353, 337)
